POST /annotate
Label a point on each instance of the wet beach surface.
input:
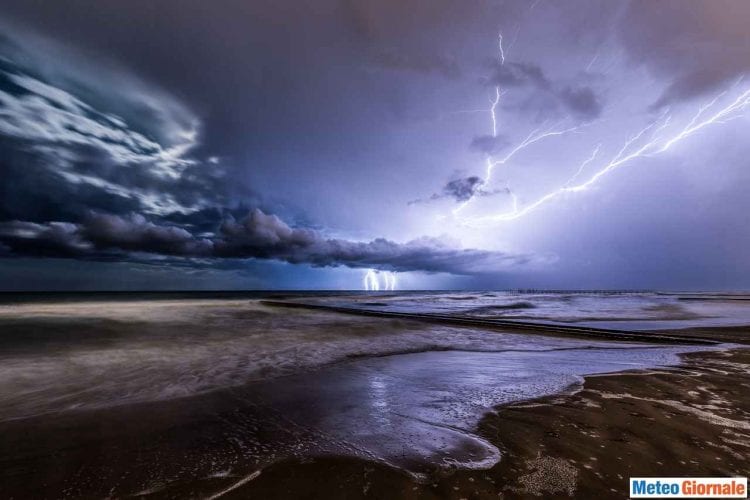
(197, 398)
(688, 421)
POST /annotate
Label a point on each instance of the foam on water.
(280, 383)
(73, 355)
(625, 310)
(416, 409)
(89, 355)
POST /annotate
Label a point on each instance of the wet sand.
(689, 421)
(393, 409)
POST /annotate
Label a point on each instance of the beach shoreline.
(400, 408)
(580, 445)
(582, 442)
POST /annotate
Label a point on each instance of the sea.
(406, 393)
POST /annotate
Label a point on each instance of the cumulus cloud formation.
(257, 235)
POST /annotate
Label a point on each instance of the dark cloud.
(544, 94)
(70, 144)
(266, 236)
(256, 236)
(120, 185)
(53, 239)
(325, 114)
(696, 45)
(462, 189)
(136, 234)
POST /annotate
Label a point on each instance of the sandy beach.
(584, 445)
(231, 398)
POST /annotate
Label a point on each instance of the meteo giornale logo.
(688, 487)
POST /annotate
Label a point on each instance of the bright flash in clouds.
(655, 138)
(372, 280)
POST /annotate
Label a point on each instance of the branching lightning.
(652, 140)
(533, 137)
(583, 165)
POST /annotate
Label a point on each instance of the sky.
(338, 144)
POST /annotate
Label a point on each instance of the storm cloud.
(167, 133)
(580, 100)
(257, 236)
(69, 142)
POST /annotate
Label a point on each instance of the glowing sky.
(449, 144)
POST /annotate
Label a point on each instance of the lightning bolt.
(372, 280)
(635, 148)
(493, 112)
(500, 47)
(651, 140)
(533, 137)
(724, 114)
(390, 281)
(493, 108)
(491, 163)
(593, 60)
(632, 149)
(583, 165)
